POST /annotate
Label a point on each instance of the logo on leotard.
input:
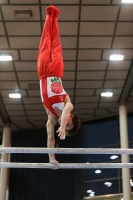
(56, 86)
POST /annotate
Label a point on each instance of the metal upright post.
(125, 158)
(5, 158)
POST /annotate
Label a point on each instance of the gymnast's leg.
(56, 49)
(44, 53)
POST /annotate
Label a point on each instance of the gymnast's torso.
(52, 94)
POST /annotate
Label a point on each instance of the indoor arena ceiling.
(91, 30)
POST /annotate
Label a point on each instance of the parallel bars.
(66, 165)
(66, 151)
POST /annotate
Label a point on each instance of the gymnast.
(50, 68)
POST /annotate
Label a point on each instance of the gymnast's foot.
(50, 10)
(56, 11)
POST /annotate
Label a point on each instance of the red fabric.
(50, 61)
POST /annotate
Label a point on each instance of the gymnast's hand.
(55, 163)
(61, 132)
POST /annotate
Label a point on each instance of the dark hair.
(77, 125)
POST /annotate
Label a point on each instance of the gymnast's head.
(72, 125)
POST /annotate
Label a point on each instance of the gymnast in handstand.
(50, 67)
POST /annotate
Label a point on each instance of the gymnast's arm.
(64, 117)
(50, 136)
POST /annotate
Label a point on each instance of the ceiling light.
(116, 57)
(106, 94)
(89, 191)
(127, 1)
(108, 184)
(131, 182)
(5, 57)
(98, 171)
(23, 14)
(92, 194)
(15, 95)
(113, 157)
